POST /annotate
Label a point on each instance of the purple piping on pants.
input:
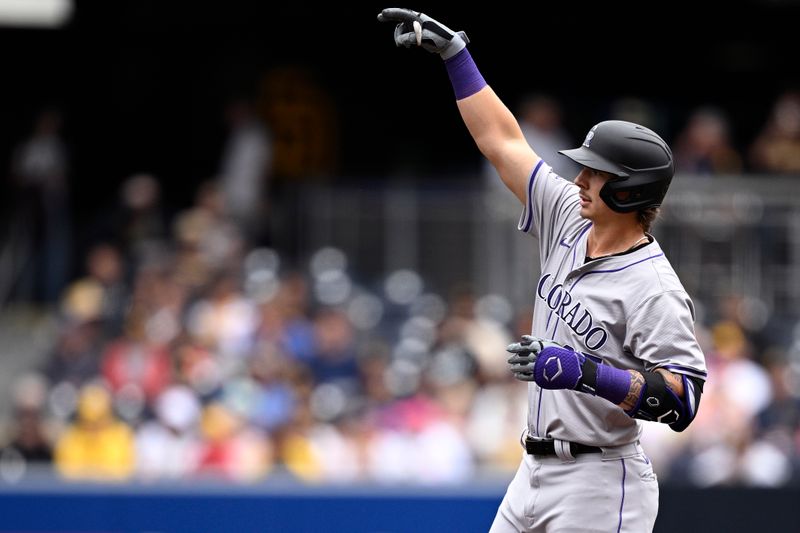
(622, 502)
(538, 411)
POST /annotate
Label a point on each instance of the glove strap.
(464, 75)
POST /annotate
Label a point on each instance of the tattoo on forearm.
(635, 391)
(674, 382)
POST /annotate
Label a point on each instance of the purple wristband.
(613, 384)
(464, 74)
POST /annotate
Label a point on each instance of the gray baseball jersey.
(628, 310)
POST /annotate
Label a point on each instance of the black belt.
(548, 447)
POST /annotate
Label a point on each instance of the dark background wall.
(143, 83)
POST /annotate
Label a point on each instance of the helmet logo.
(589, 137)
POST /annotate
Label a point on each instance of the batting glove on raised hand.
(418, 29)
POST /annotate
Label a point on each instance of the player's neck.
(611, 238)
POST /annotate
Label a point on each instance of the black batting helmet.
(637, 156)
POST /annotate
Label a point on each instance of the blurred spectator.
(40, 168)
(474, 337)
(101, 294)
(97, 446)
(196, 367)
(638, 110)
(343, 446)
(542, 124)
(225, 321)
(275, 401)
(782, 414)
(498, 412)
(231, 449)
(374, 368)
(28, 442)
(541, 121)
(704, 147)
(777, 427)
(777, 147)
(135, 364)
(141, 222)
(287, 318)
(724, 432)
(169, 446)
(743, 382)
(334, 348)
(75, 357)
(159, 297)
(245, 168)
(295, 448)
(427, 446)
(207, 239)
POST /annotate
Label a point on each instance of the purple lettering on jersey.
(576, 327)
(541, 285)
(558, 299)
(565, 301)
(599, 341)
(556, 290)
(570, 316)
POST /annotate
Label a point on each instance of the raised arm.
(493, 127)
(499, 138)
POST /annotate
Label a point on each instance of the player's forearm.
(498, 136)
(637, 385)
(658, 396)
(493, 127)
(490, 122)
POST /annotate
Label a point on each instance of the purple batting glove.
(558, 368)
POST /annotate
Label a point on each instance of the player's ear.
(622, 196)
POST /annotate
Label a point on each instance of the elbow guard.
(658, 403)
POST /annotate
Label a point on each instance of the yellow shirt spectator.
(97, 446)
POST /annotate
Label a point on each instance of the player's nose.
(582, 179)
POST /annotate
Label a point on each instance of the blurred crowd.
(705, 143)
(206, 357)
(189, 347)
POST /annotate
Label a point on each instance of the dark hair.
(646, 217)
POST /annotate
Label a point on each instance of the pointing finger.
(396, 14)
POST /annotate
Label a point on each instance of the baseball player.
(613, 339)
